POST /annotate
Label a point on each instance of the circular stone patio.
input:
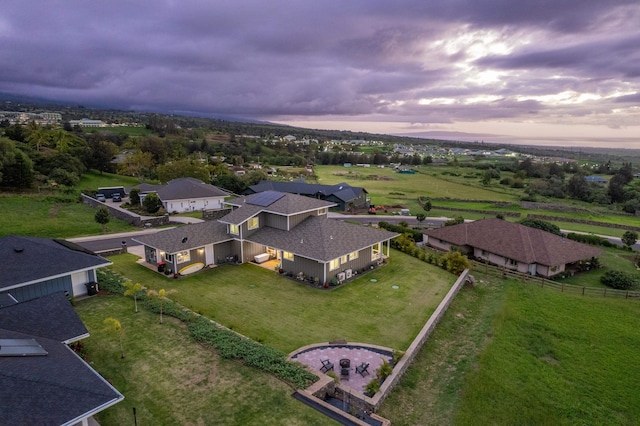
(357, 353)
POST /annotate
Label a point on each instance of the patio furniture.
(363, 369)
(326, 366)
(345, 369)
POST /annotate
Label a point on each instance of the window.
(375, 251)
(287, 255)
(513, 262)
(253, 223)
(322, 211)
(168, 257)
(344, 259)
(353, 255)
(334, 264)
(234, 229)
(183, 256)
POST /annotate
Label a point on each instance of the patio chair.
(363, 369)
(326, 366)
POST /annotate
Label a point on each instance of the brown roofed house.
(513, 246)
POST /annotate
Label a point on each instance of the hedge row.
(229, 344)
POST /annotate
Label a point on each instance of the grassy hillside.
(508, 353)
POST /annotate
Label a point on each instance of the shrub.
(110, 281)
(541, 224)
(384, 370)
(618, 280)
(372, 387)
(455, 262)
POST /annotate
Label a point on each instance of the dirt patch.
(551, 360)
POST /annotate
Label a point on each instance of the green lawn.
(94, 180)
(287, 315)
(510, 353)
(170, 379)
(56, 216)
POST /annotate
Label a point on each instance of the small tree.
(134, 197)
(102, 217)
(132, 290)
(152, 203)
(427, 205)
(420, 217)
(113, 326)
(629, 238)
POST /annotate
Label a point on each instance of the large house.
(290, 228)
(513, 246)
(43, 382)
(185, 195)
(35, 267)
(342, 195)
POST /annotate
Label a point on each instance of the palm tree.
(132, 290)
(114, 327)
(38, 137)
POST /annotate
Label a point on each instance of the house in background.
(513, 246)
(185, 195)
(43, 381)
(342, 195)
(35, 267)
(291, 229)
(595, 179)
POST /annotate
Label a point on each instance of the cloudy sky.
(528, 71)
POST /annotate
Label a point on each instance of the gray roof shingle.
(53, 389)
(320, 238)
(343, 191)
(197, 235)
(30, 259)
(289, 204)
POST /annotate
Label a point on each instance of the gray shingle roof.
(343, 191)
(515, 241)
(289, 204)
(197, 235)
(320, 238)
(183, 188)
(53, 389)
(30, 259)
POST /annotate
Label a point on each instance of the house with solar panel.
(342, 195)
(278, 230)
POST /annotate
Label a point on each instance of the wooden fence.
(553, 285)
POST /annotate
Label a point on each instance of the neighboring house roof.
(184, 188)
(320, 238)
(28, 260)
(197, 235)
(515, 241)
(287, 204)
(60, 323)
(342, 191)
(57, 388)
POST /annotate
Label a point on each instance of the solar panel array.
(266, 198)
(20, 347)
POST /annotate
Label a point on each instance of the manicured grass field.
(170, 379)
(94, 180)
(510, 353)
(287, 315)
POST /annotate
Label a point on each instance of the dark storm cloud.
(382, 59)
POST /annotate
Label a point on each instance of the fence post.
(583, 288)
(605, 293)
(626, 296)
(562, 288)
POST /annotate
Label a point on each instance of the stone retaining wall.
(417, 344)
(132, 218)
(215, 214)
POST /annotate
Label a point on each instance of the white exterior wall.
(78, 281)
(189, 205)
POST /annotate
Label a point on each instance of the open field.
(510, 353)
(287, 315)
(129, 130)
(94, 180)
(385, 186)
(170, 379)
(55, 216)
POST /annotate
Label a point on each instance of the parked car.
(101, 197)
(116, 198)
